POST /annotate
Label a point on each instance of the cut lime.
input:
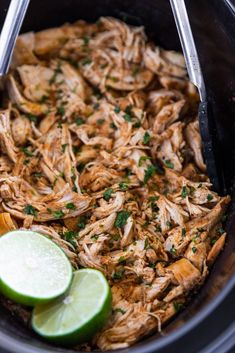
(33, 269)
(76, 317)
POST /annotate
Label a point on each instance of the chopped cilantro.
(184, 192)
(86, 61)
(123, 186)
(183, 232)
(154, 207)
(97, 93)
(30, 210)
(173, 250)
(37, 175)
(32, 117)
(194, 249)
(143, 158)
(81, 224)
(117, 109)
(86, 40)
(95, 237)
(60, 110)
(178, 306)
(128, 113)
(79, 121)
(213, 241)
(117, 275)
(137, 124)
(113, 126)
(63, 147)
(121, 259)
(26, 161)
(26, 151)
(58, 214)
(44, 99)
(127, 117)
(158, 228)
(146, 244)
(153, 198)
(152, 265)
(69, 236)
(107, 194)
(149, 172)
(146, 138)
(121, 219)
(71, 206)
(209, 197)
(169, 164)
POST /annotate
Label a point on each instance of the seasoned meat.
(100, 151)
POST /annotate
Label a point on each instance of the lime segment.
(79, 314)
(33, 269)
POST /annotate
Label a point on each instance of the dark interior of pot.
(214, 32)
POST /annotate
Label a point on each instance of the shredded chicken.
(101, 152)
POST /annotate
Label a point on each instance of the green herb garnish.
(121, 219)
(60, 110)
(107, 194)
(143, 158)
(79, 121)
(184, 192)
(26, 152)
(209, 197)
(123, 186)
(63, 147)
(117, 109)
(30, 210)
(149, 172)
(70, 206)
(81, 224)
(146, 138)
(86, 61)
(58, 214)
(173, 250)
(32, 117)
(169, 164)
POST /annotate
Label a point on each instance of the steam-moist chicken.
(101, 151)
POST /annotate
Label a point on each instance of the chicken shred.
(101, 152)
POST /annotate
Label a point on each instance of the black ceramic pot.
(208, 323)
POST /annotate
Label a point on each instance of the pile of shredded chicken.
(101, 152)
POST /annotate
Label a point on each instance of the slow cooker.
(207, 325)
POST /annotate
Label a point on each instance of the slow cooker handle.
(10, 31)
(206, 119)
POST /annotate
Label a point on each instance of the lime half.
(33, 269)
(83, 310)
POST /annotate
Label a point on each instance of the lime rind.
(12, 257)
(83, 329)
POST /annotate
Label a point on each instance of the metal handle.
(10, 31)
(186, 38)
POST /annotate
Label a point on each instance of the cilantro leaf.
(121, 219)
